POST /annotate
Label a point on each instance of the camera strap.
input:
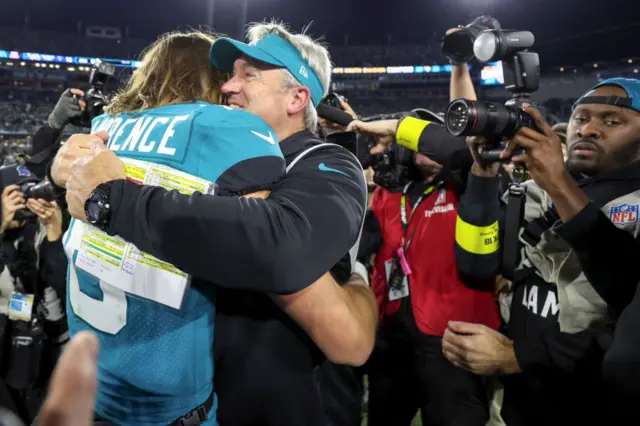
(403, 212)
(513, 221)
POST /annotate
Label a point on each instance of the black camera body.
(333, 100)
(29, 184)
(95, 98)
(393, 168)
(522, 77)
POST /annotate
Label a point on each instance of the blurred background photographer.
(32, 289)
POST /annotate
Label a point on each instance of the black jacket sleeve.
(44, 138)
(621, 367)
(477, 249)
(371, 239)
(558, 350)
(53, 266)
(278, 245)
(608, 255)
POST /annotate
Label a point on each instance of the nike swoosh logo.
(324, 168)
(269, 138)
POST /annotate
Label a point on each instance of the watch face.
(93, 212)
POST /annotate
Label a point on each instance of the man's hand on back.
(77, 146)
(100, 166)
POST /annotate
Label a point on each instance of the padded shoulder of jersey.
(244, 142)
(99, 119)
(223, 116)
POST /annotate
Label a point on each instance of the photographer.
(417, 285)
(46, 141)
(34, 268)
(552, 346)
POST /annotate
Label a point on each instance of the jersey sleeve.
(242, 145)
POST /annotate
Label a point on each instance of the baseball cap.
(631, 86)
(270, 49)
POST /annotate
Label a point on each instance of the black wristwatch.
(97, 208)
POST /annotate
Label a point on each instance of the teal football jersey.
(156, 343)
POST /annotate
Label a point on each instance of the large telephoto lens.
(472, 118)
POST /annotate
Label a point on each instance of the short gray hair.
(312, 51)
(310, 113)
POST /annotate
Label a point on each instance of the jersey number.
(108, 315)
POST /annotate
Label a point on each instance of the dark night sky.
(366, 21)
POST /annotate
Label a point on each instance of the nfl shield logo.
(442, 197)
(624, 213)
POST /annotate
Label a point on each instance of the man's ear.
(301, 96)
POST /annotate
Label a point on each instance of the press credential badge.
(21, 307)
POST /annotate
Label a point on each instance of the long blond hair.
(175, 70)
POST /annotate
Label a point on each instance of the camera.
(458, 45)
(393, 168)
(30, 185)
(95, 97)
(521, 75)
(333, 100)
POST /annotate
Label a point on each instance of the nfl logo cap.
(273, 50)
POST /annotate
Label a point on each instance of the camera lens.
(458, 116)
(458, 45)
(471, 118)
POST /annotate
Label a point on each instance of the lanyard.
(403, 212)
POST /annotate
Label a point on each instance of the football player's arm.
(478, 240)
(608, 255)
(277, 245)
(341, 320)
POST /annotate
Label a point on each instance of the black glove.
(67, 108)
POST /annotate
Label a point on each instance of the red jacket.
(437, 292)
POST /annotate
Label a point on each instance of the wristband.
(409, 131)
(361, 270)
